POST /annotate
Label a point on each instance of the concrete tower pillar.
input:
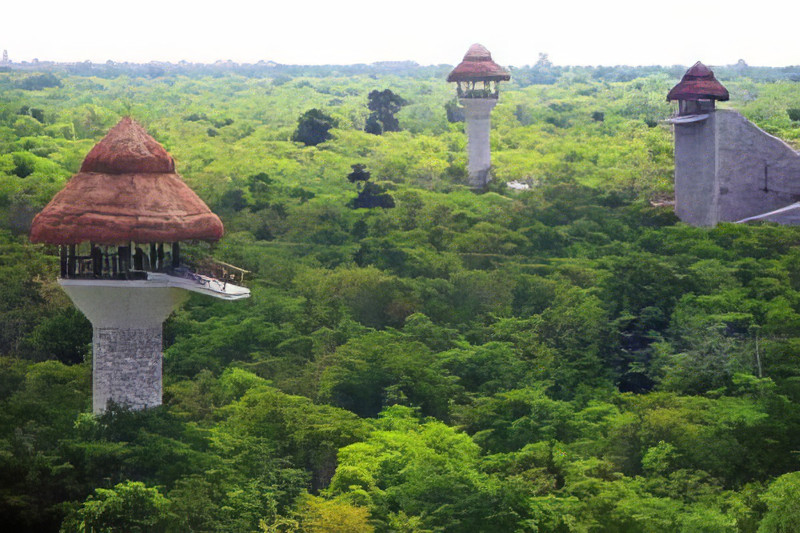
(127, 319)
(477, 112)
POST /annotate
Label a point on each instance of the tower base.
(127, 317)
(126, 367)
(477, 112)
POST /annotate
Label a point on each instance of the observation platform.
(156, 280)
(687, 119)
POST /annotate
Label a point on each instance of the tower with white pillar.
(119, 224)
(477, 78)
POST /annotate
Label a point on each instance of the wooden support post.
(153, 257)
(71, 260)
(62, 251)
(97, 261)
(161, 256)
(124, 255)
(138, 259)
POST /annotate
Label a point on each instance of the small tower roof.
(698, 83)
(478, 65)
(127, 190)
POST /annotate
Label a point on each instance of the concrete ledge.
(686, 119)
(202, 285)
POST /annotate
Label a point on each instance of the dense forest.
(415, 356)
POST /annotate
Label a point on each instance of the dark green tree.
(359, 175)
(373, 195)
(369, 194)
(383, 106)
(39, 81)
(313, 127)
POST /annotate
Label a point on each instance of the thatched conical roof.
(127, 190)
(478, 66)
(698, 83)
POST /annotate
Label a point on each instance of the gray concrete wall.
(727, 169)
(757, 172)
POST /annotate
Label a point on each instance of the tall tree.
(383, 106)
(130, 506)
(313, 127)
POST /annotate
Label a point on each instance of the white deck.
(687, 119)
(200, 284)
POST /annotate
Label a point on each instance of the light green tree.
(129, 507)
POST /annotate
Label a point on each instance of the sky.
(571, 32)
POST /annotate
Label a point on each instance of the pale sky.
(572, 32)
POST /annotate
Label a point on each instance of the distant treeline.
(542, 72)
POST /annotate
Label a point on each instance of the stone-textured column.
(126, 367)
(477, 112)
(127, 317)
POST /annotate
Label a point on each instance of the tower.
(477, 80)
(695, 162)
(118, 224)
(5, 58)
(726, 168)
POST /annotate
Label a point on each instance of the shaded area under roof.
(478, 65)
(698, 83)
(127, 190)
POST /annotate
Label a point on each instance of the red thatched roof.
(478, 66)
(127, 190)
(698, 83)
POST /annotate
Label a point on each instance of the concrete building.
(477, 78)
(118, 224)
(726, 168)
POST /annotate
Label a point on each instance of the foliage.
(383, 106)
(359, 174)
(781, 498)
(373, 195)
(37, 82)
(426, 470)
(313, 127)
(129, 506)
(370, 194)
(564, 358)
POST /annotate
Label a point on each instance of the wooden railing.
(135, 261)
(219, 270)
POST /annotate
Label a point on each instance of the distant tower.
(695, 172)
(726, 168)
(477, 78)
(5, 58)
(118, 224)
